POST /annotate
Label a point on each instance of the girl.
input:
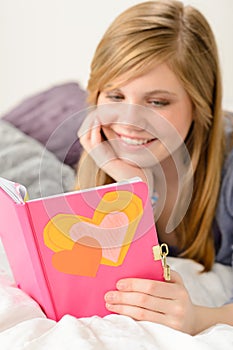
(158, 65)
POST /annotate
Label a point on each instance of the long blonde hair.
(168, 31)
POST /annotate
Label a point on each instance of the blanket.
(23, 326)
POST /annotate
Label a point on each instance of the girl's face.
(153, 114)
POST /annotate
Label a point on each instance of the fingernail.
(110, 296)
(109, 306)
(121, 285)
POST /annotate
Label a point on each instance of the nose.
(128, 114)
(134, 115)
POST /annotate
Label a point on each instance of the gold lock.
(160, 253)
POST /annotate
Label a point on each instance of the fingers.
(139, 314)
(140, 300)
(151, 287)
(167, 303)
(100, 116)
(134, 294)
(91, 140)
(174, 319)
(176, 278)
(87, 125)
(96, 137)
(89, 132)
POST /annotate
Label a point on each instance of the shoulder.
(227, 171)
(226, 190)
(223, 223)
(227, 183)
(228, 127)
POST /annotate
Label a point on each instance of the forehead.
(158, 77)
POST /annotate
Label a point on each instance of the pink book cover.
(66, 251)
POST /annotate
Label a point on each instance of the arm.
(166, 303)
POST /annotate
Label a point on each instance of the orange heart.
(83, 259)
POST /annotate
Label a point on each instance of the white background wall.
(48, 42)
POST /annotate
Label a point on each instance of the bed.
(23, 325)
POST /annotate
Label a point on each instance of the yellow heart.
(59, 232)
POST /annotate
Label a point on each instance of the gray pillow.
(53, 117)
(26, 161)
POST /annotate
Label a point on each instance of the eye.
(114, 97)
(158, 103)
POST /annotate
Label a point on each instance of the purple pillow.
(53, 118)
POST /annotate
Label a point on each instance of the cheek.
(181, 120)
(185, 124)
(186, 117)
(183, 128)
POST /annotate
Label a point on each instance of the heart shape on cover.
(83, 259)
(110, 231)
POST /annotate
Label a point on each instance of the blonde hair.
(168, 31)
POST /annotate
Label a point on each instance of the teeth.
(134, 141)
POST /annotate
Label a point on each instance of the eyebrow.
(149, 93)
(157, 92)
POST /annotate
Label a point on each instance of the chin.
(139, 162)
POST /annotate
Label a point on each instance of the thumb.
(176, 277)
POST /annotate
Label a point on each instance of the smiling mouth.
(134, 141)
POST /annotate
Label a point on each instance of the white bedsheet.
(24, 326)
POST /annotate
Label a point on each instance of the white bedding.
(24, 326)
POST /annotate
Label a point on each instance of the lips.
(135, 141)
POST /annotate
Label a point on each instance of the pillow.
(53, 117)
(26, 161)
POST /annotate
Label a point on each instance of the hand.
(166, 303)
(102, 153)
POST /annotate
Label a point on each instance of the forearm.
(207, 317)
